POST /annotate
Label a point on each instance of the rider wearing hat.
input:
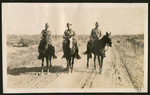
(95, 34)
(46, 36)
(69, 33)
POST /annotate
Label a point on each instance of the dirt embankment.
(131, 51)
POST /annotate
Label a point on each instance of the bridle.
(106, 48)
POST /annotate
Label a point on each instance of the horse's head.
(108, 39)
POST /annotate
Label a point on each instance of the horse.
(99, 50)
(46, 50)
(70, 51)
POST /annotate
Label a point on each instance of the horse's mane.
(99, 45)
(68, 51)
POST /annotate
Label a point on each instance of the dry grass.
(130, 48)
(133, 42)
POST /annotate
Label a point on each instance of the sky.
(30, 18)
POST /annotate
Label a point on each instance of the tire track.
(126, 69)
(91, 82)
(86, 82)
(47, 80)
(31, 79)
(89, 79)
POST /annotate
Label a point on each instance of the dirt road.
(115, 72)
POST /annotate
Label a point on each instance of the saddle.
(43, 46)
(95, 47)
(69, 46)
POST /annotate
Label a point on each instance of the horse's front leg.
(102, 57)
(50, 59)
(99, 61)
(87, 61)
(72, 64)
(47, 65)
(95, 62)
(42, 66)
(67, 64)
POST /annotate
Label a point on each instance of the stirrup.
(39, 57)
(54, 56)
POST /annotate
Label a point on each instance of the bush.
(23, 42)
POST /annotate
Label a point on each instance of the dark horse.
(70, 51)
(98, 50)
(46, 50)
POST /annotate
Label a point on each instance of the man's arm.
(93, 34)
(42, 32)
(49, 35)
(74, 34)
(100, 35)
(65, 36)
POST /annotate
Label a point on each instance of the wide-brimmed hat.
(69, 24)
(96, 24)
(46, 25)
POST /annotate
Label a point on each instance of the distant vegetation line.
(62, 34)
(29, 40)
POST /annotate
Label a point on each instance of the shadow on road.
(24, 70)
(86, 71)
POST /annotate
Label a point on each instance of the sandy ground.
(120, 70)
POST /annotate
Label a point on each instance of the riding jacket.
(68, 34)
(46, 35)
(95, 33)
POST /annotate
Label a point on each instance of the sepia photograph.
(75, 47)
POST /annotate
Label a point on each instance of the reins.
(106, 48)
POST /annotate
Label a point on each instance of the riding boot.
(88, 50)
(77, 53)
(54, 56)
(39, 57)
(90, 55)
(104, 55)
(78, 56)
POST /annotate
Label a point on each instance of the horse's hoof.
(100, 72)
(50, 66)
(41, 74)
(38, 74)
(68, 72)
(48, 73)
(71, 71)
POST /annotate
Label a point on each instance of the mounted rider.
(69, 33)
(95, 34)
(45, 42)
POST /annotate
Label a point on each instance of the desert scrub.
(23, 42)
